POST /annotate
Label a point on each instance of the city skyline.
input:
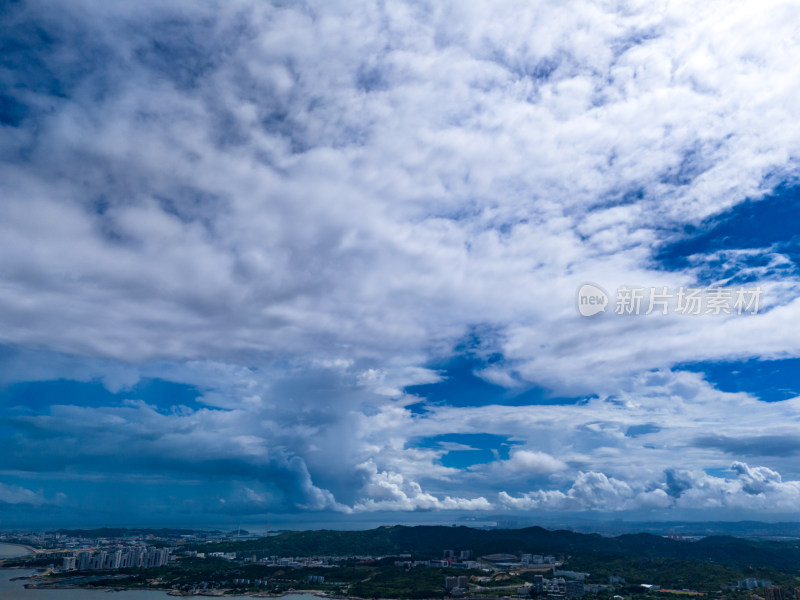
(322, 263)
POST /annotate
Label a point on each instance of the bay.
(15, 590)
(13, 550)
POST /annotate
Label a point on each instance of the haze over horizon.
(319, 262)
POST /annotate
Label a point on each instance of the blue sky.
(318, 262)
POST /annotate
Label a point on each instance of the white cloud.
(589, 491)
(531, 462)
(14, 494)
(292, 452)
(751, 488)
(385, 191)
(295, 208)
(391, 491)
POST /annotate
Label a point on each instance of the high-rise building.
(113, 559)
(557, 586)
(574, 589)
(99, 560)
(748, 584)
(774, 593)
(84, 560)
(140, 556)
(157, 557)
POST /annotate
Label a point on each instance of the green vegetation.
(425, 541)
(673, 573)
(27, 561)
(395, 582)
(709, 565)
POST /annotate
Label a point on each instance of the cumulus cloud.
(274, 453)
(527, 462)
(391, 491)
(13, 494)
(589, 491)
(750, 488)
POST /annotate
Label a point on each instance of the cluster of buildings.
(469, 564)
(463, 560)
(456, 586)
(450, 559)
(563, 584)
(301, 563)
(225, 555)
(77, 540)
(139, 557)
(751, 583)
(524, 561)
(776, 593)
(538, 559)
(259, 582)
(298, 562)
(771, 592)
(555, 587)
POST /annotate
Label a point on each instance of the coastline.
(29, 549)
(35, 580)
(171, 592)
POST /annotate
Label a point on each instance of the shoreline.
(30, 549)
(171, 592)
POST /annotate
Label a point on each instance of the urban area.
(179, 564)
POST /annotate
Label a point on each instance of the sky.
(320, 262)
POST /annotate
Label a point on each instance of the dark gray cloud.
(757, 445)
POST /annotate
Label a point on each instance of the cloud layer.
(303, 210)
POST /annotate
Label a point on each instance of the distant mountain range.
(747, 529)
(429, 541)
(123, 532)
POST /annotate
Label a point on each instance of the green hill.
(429, 541)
